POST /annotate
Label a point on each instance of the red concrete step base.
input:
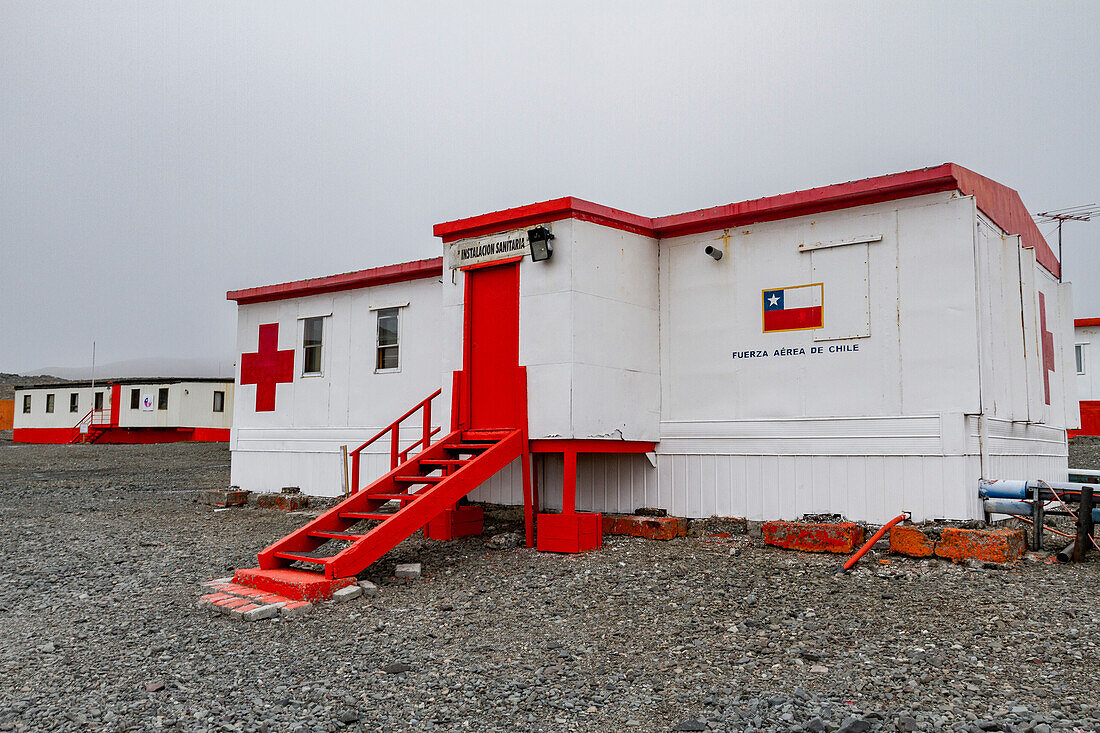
(652, 528)
(463, 521)
(569, 532)
(299, 585)
(841, 538)
(959, 545)
(250, 604)
(224, 497)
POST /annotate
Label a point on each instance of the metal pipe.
(1019, 508)
(871, 542)
(713, 252)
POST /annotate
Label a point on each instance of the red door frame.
(462, 399)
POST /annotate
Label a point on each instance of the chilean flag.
(794, 309)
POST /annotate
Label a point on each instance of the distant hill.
(149, 367)
(8, 382)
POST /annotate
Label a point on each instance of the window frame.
(218, 407)
(380, 313)
(319, 346)
(74, 402)
(135, 398)
(162, 399)
(97, 401)
(50, 402)
(1079, 359)
(27, 404)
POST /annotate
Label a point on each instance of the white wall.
(589, 324)
(61, 417)
(298, 444)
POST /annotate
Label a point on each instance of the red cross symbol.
(1048, 345)
(267, 366)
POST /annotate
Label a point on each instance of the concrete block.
(842, 538)
(407, 570)
(911, 541)
(653, 528)
(238, 613)
(261, 612)
(370, 590)
(295, 609)
(349, 593)
(224, 498)
(985, 545)
(286, 502)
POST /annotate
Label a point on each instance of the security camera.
(713, 252)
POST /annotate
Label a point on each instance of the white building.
(1086, 351)
(139, 410)
(863, 348)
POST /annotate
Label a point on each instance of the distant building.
(862, 348)
(1086, 352)
(139, 410)
(7, 408)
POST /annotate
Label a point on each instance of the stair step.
(418, 479)
(350, 537)
(489, 436)
(394, 497)
(444, 462)
(300, 557)
(467, 447)
(363, 515)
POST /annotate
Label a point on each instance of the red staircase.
(91, 426)
(331, 550)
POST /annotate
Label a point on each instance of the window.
(388, 354)
(135, 399)
(1079, 352)
(219, 401)
(26, 404)
(49, 403)
(98, 404)
(74, 402)
(311, 346)
(162, 398)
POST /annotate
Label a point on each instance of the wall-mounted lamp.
(713, 252)
(541, 249)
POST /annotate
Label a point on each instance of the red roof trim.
(541, 213)
(403, 272)
(1000, 203)
(1085, 322)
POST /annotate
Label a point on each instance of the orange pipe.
(870, 543)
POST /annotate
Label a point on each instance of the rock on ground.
(105, 550)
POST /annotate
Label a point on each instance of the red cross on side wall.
(1048, 345)
(267, 366)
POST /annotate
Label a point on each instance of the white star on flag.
(774, 300)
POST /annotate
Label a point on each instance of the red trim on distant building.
(125, 435)
(403, 272)
(1000, 203)
(1085, 322)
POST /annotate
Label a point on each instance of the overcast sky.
(155, 154)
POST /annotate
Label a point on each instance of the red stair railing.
(398, 456)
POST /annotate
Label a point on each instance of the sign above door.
(503, 246)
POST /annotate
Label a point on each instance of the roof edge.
(385, 275)
(1085, 322)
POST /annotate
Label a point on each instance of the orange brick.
(653, 528)
(987, 545)
(911, 541)
(841, 538)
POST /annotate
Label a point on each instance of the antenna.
(1084, 212)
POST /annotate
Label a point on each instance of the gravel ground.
(1085, 453)
(104, 548)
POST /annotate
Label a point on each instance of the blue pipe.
(1020, 508)
(1014, 489)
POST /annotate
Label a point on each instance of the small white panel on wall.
(844, 273)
